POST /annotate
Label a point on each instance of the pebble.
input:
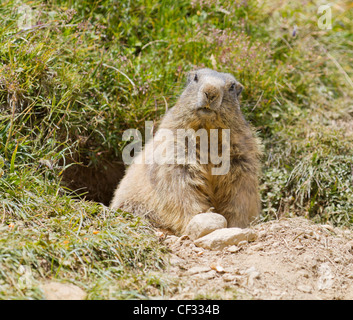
(304, 288)
(198, 269)
(176, 261)
(62, 291)
(221, 238)
(205, 223)
(233, 249)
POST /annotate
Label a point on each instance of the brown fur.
(171, 194)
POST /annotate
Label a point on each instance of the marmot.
(169, 194)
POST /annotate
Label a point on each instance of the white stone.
(205, 223)
(62, 291)
(219, 239)
(233, 249)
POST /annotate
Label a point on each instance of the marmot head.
(209, 93)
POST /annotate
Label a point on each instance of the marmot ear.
(238, 88)
(190, 76)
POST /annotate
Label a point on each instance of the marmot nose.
(211, 93)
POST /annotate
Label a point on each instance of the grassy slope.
(87, 70)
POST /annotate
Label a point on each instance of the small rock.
(198, 250)
(205, 223)
(275, 227)
(327, 227)
(221, 238)
(233, 249)
(303, 273)
(258, 247)
(160, 234)
(243, 243)
(304, 288)
(349, 246)
(228, 277)
(176, 261)
(232, 269)
(262, 234)
(171, 239)
(299, 247)
(198, 269)
(183, 238)
(217, 268)
(62, 291)
(338, 260)
(206, 275)
(275, 291)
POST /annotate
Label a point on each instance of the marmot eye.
(232, 87)
(196, 78)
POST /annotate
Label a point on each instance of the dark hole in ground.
(95, 183)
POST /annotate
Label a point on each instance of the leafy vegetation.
(75, 74)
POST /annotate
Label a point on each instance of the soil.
(291, 258)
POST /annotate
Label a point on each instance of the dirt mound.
(291, 259)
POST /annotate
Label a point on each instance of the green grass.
(87, 70)
(109, 255)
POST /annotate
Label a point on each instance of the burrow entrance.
(96, 183)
